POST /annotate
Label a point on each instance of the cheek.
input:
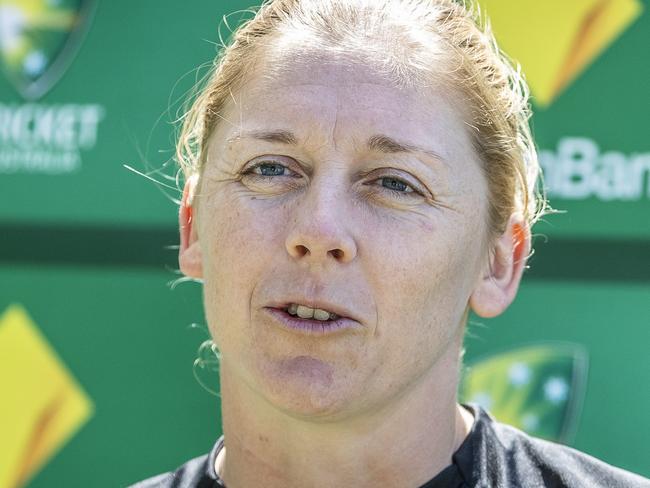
(239, 231)
(422, 274)
(240, 242)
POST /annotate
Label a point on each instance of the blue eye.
(396, 185)
(269, 169)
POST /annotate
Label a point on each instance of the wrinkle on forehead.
(302, 65)
(318, 91)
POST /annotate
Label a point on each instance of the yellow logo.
(42, 405)
(556, 40)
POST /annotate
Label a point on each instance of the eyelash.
(398, 194)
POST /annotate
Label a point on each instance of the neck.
(403, 444)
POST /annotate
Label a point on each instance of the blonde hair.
(416, 42)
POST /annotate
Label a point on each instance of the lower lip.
(313, 326)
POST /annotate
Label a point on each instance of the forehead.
(330, 99)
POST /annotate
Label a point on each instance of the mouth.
(306, 312)
(311, 321)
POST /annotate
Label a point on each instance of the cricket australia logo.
(39, 39)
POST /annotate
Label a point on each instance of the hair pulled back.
(416, 42)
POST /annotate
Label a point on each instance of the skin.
(378, 402)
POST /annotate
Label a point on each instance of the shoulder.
(513, 458)
(195, 473)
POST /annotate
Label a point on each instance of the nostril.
(337, 253)
(302, 250)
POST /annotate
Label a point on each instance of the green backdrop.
(86, 245)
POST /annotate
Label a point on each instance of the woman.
(360, 174)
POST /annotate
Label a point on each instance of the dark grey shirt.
(492, 455)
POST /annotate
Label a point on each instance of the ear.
(189, 254)
(498, 286)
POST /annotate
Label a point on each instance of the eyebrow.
(388, 145)
(280, 136)
(378, 143)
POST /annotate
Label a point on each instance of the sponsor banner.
(119, 369)
(85, 368)
(600, 193)
(38, 42)
(77, 103)
(565, 359)
(579, 170)
(50, 139)
(86, 90)
(590, 102)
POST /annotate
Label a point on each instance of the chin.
(304, 387)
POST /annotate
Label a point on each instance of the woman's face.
(328, 185)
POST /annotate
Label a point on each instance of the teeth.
(305, 312)
(321, 314)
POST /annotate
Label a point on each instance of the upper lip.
(339, 310)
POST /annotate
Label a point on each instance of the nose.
(321, 228)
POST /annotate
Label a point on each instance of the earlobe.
(498, 286)
(189, 254)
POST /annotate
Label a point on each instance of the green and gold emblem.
(539, 389)
(38, 40)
